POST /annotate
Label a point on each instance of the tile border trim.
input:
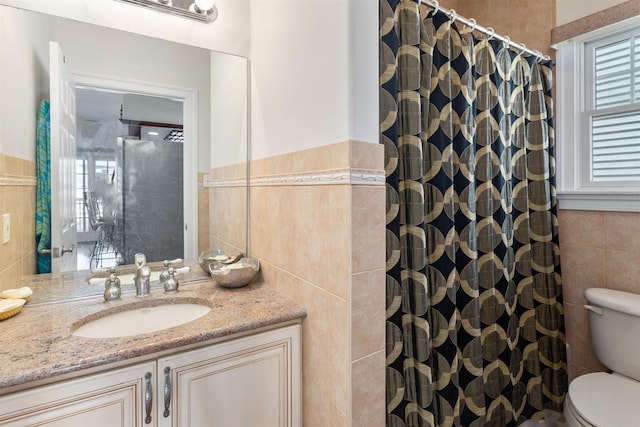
(218, 183)
(13, 181)
(347, 176)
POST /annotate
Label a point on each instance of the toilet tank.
(614, 319)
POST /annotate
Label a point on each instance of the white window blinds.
(612, 112)
(616, 146)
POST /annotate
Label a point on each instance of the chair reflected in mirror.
(104, 249)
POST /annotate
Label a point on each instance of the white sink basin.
(141, 320)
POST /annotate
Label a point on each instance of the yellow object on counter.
(21, 293)
(10, 307)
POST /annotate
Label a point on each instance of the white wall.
(228, 33)
(570, 10)
(364, 70)
(23, 84)
(229, 103)
(314, 74)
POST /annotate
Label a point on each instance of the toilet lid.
(606, 399)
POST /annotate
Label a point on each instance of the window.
(86, 179)
(105, 170)
(598, 142)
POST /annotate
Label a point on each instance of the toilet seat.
(571, 415)
(603, 400)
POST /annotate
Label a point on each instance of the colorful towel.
(43, 188)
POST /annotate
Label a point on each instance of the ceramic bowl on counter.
(234, 275)
(208, 257)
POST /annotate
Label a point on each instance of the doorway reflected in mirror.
(129, 178)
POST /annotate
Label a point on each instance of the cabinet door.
(110, 399)
(248, 382)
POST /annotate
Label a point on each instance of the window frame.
(575, 188)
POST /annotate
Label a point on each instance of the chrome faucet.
(143, 275)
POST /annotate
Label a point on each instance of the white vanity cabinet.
(248, 382)
(244, 382)
(108, 399)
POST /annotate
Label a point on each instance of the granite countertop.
(56, 287)
(37, 344)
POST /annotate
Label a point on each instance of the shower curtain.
(475, 333)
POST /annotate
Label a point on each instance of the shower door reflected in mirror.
(150, 195)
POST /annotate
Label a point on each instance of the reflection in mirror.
(115, 182)
(214, 200)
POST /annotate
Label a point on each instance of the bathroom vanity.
(238, 365)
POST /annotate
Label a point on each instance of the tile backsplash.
(17, 198)
(318, 227)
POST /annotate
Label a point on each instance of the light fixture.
(203, 7)
(199, 10)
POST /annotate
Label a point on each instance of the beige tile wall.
(225, 202)
(452, 4)
(203, 214)
(17, 198)
(597, 249)
(528, 22)
(323, 245)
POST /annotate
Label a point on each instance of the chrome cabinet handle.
(67, 250)
(167, 391)
(148, 397)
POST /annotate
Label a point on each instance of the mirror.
(210, 86)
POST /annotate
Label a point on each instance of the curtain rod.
(486, 30)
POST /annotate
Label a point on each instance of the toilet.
(609, 399)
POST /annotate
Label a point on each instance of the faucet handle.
(164, 274)
(171, 284)
(112, 289)
(140, 259)
(182, 270)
